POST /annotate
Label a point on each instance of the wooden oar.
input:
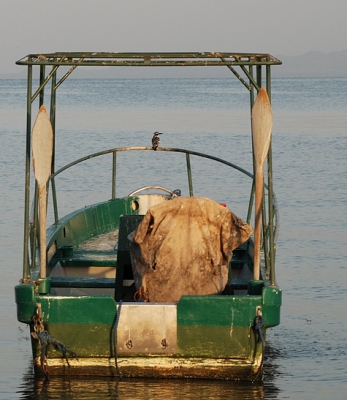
(42, 148)
(261, 133)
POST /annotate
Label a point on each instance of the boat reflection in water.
(104, 388)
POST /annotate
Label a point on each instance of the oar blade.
(261, 134)
(42, 146)
(261, 126)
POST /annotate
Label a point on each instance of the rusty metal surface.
(149, 59)
(157, 367)
(147, 328)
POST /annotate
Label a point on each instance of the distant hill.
(312, 64)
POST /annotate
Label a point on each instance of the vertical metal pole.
(52, 110)
(189, 172)
(251, 198)
(114, 176)
(27, 178)
(270, 192)
(52, 118)
(42, 78)
(259, 76)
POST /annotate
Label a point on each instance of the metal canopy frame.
(165, 59)
(149, 59)
(248, 68)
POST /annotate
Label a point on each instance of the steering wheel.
(153, 187)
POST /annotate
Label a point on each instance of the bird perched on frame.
(156, 140)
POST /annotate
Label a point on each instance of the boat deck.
(100, 250)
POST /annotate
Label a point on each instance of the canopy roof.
(149, 59)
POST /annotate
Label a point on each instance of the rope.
(258, 325)
(45, 339)
(115, 339)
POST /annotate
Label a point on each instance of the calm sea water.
(306, 354)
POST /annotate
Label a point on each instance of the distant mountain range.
(312, 64)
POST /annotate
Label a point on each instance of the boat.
(155, 283)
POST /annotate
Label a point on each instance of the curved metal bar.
(153, 187)
(177, 150)
(145, 148)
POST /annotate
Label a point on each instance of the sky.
(278, 27)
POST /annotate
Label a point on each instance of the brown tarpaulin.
(183, 247)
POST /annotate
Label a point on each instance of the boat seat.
(72, 282)
(239, 257)
(95, 258)
(127, 224)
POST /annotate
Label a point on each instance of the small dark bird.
(156, 140)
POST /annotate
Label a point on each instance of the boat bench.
(69, 282)
(239, 284)
(238, 258)
(120, 259)
(110, 283)
(90, 258)
(95, 258)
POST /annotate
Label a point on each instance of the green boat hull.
(215, 335)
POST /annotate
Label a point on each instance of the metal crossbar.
(149, 59)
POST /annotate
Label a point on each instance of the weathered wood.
(261, 134)
(42, 148)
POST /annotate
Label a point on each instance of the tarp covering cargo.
(183, 247)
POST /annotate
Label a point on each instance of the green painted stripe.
(215, 341)
(217, 310)
(84, 340)
(78, 310)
